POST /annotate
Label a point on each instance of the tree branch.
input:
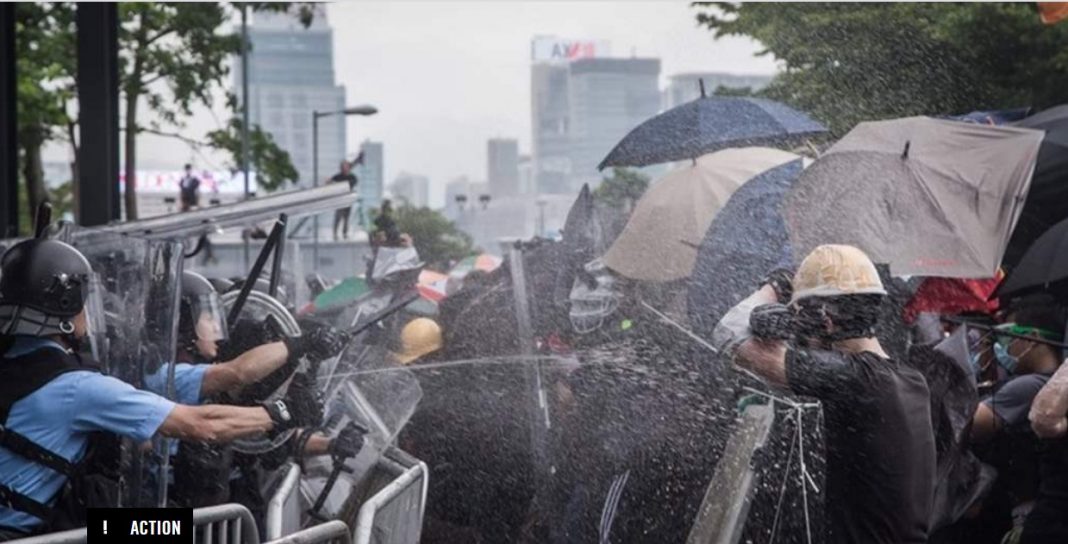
(191, 141)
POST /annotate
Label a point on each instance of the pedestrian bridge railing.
(224, 524)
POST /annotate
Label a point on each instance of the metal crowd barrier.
(224, 524)
(283, 511)
(331, 532)
(394, 515)
(74, 536)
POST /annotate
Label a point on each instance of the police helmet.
(44, 284)
(201, 315)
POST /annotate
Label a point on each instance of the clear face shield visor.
(95, 316)
(209, 318)
(591, 305)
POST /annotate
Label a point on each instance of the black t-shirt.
(880, 445)
(339, 177)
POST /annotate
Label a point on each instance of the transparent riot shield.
(140, 284)
(374, 392)
(258, 308)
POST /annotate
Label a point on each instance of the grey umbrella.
(709, 124)
(926, 196)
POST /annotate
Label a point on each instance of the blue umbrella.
(746, 240)
(709, 124)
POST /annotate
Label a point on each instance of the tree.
(622, 189)
(271, 163)
(438, 240)
(44, 38)
(849, 62)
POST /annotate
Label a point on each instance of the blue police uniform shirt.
(188, 380)
(60, 415)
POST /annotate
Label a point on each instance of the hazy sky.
(448, 75)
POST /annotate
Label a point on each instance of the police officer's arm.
(215, 422)
(249, 367)
(1050, 406)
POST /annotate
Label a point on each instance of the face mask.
(1005, 359)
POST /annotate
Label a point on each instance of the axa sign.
(558, 50)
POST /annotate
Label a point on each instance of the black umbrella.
(1043, 266)
(1047, 201)
(708, 124)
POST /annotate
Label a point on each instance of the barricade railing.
(224, 524)
(283, 510)
(73, 536)
(394, 515)
(331, 532)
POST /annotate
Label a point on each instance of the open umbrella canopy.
(927, 197)
(1047, 201)
(746, 240)
(484, 262)
(708, 124)
(339, 295)
(949, 296)
(1043, 267)
(661, 238)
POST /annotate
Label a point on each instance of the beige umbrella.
(661, 238)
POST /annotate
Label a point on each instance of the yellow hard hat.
(419, 337)
(836, 270)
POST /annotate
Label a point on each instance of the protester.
(53, 400)
(189, 187)
(386, 232)
(1000, 424)
(1047, 523)
(342, 215)
(880, 443)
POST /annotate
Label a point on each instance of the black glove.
(772, 322)
(280, 415)
(348, 442)
(782, 281)
(317, 344)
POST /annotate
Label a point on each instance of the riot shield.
(259, 308)
(140, 281)
(371, 390)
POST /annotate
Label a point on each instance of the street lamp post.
(357, 110)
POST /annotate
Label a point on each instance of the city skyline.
(459, 75)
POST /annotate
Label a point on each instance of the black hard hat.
(45, 275)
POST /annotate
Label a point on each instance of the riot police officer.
(52, 399)
(205, 468)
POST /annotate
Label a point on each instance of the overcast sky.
(448, 75)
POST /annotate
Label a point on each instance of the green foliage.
(849, 62)
(272, 164)
(622, 189)
(438, 240)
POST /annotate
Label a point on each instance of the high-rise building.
(608, 97)
(526, 175)
(371, 176)
(411, 189)
(462, 194)
(550, 110)
(683, 88)
(291, 74)
(502, 168)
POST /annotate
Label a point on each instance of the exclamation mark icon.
(105, 526)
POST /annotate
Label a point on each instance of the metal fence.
(283, 510)
(331, 532)
(74, 536)
(224, 524)
(394, 515)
